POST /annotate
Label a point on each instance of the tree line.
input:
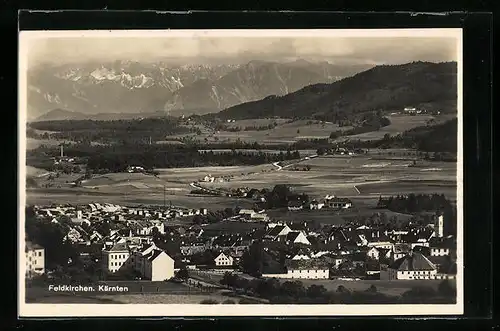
(87, 131)
(294, 291)
(417, 203)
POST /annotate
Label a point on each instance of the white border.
(163, 310)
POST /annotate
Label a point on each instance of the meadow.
(362, 178)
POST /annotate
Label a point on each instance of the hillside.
(257, 80)
(385, 87)
(132, 87)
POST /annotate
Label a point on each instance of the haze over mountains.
(113, 90)
(387, 87)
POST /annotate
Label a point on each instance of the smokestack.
(62, 151)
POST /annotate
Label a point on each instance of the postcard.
(240, 173)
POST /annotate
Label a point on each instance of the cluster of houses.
(126, 239)
(211, 179)
(329, 202)
(419, 111)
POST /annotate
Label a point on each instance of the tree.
(445, 289)
(315, 291)
(183, 274)
(293, 289)
(372, 289)
(342, 289)
(253, 260)
(321, 151)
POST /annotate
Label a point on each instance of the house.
(208, 178)
(278, 231)
(373, 253)
(158, 266)
(337, 203)
(306, 269)
(381, 244)
(132, 169)
(223, 260)
(153, 263)
(400, 250)
(315, 205)
(35, 259)
(116, 257)
(412, 266)
(297, 237)
(295, 205)
(73, 236)
(252, 215)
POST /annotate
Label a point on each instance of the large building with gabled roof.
(412, 266)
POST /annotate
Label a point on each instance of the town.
(149, 244)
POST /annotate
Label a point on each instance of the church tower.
(439, 225)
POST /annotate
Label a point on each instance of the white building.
(223, 260)
(115, 257)
(337, 203)
(158, 266)
(150, 261)
(439, 226)
(304, 269)
(35, 259)
(439, 251)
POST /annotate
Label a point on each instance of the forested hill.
(440, 138)
(432, 86)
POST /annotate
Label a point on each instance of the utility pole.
(164, 198)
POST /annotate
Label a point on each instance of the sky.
(225, 50)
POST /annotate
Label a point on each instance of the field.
(399, 124)
(362, 178)
(257, 122)
(304, 129)
(35, 143)
(286, 133)
(357, 177)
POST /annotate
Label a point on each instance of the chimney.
(62, 151)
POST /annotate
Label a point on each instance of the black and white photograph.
(240, 172)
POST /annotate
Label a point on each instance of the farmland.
(291, 132)
(399, 124)
(362, 178)
(358, 177)
(286, 133)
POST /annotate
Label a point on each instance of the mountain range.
(432, 86)
(131, 87)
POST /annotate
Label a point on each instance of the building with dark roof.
(412, 266)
